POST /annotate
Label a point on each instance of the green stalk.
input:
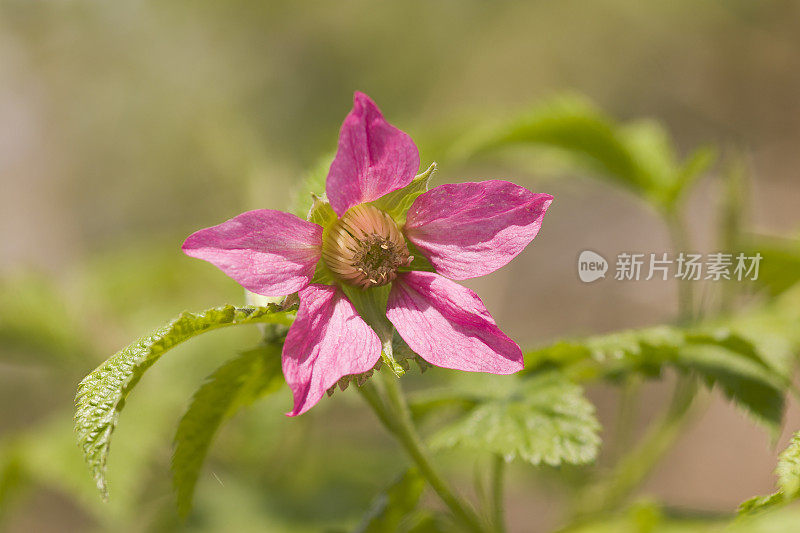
(680, 242)
(632, 469)
(374, 400)
(731, 220)
(498, 480)
(629, 400)
(396, 417)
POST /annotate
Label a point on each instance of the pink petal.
(267, 252)
(448, 325)
(468, 230)
(328, 340)
(374, 158)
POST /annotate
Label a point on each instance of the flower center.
(365, 247)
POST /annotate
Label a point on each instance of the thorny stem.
(396, 417)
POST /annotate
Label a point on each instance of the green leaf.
(392, 506)
(237, 383)
(779, 269)
(718, 355)
(745, 381)
(650, 147)
(772, 329)
(760, 503)
(788, 471)
(781, 521)
(102, 394)
(542, 420)
(397, 203)
(639, 156)
(573, 124)
(694, 166)
(607, 356)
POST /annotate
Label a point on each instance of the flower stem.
(733, 213)
(632, 469)
(498, 480)
(374, 400)
(629, 401)
(680, 242)
(396, 417)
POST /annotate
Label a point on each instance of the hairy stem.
(396, 417)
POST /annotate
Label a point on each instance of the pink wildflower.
(463, 230)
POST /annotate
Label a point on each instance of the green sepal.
(420, 262)
(322, 274)
(397, 203)
(393, 365)
(371, 305)
(321, 212)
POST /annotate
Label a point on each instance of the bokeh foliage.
(164, 118)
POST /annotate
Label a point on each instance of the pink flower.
(462, 230)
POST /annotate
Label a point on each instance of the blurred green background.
(125, 126)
